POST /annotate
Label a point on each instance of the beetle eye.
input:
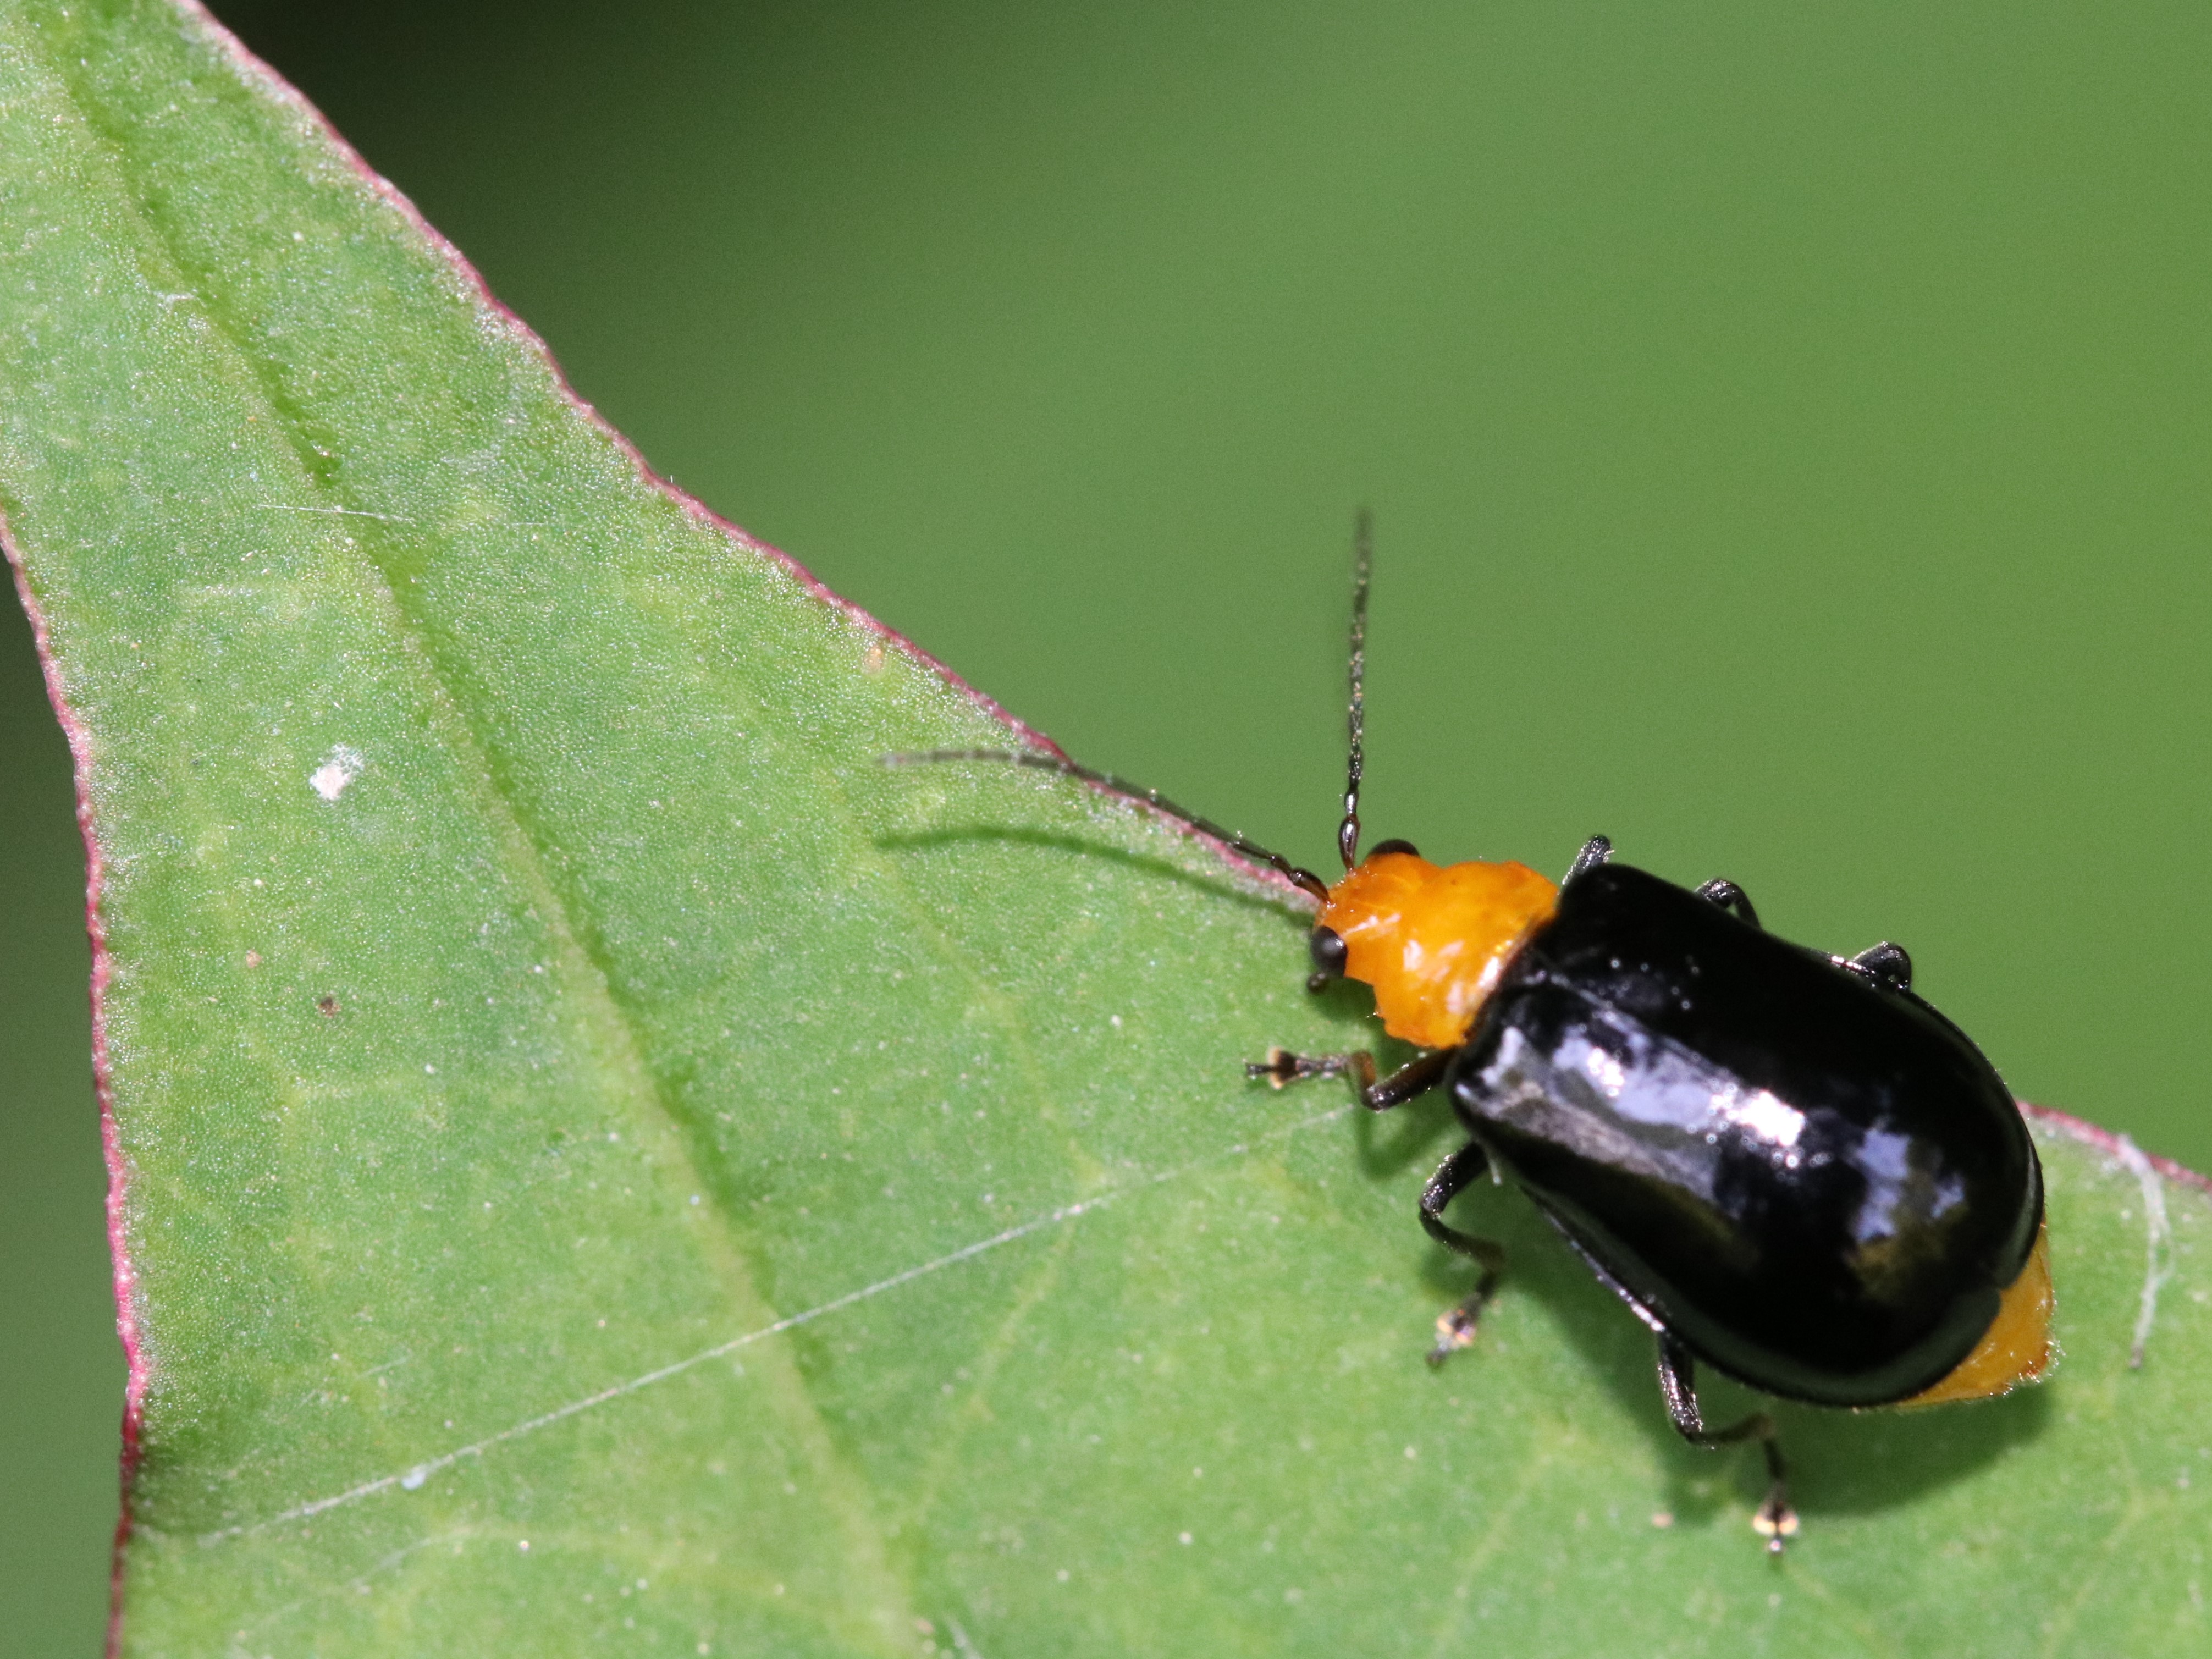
(1328, 949)
(1383, 847)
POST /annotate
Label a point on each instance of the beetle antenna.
(1303, 879)
(1363, 557)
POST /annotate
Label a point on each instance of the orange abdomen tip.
(1433, 941)
(2016, 1349)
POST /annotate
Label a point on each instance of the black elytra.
(1795, 1166)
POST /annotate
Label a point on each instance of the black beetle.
(1786, 1163)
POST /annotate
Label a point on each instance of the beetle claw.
(1456, 1328)
(1774, 1520)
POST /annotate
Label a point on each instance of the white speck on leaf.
(341, 768)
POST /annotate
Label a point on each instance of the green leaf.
(600, 1158)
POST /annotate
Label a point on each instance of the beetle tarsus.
(1457, 1327)
(1281, 1068)
(1775, 1520)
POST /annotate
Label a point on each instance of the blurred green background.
(1787, 431)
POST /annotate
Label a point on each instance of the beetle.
(1786, 1163)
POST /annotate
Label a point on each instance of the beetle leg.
(1417, 1078)
(1281, 1068)
(1455, 1327)
(1729, 896)
(1886, 961)
(1774, 1520)
(1595, 851)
